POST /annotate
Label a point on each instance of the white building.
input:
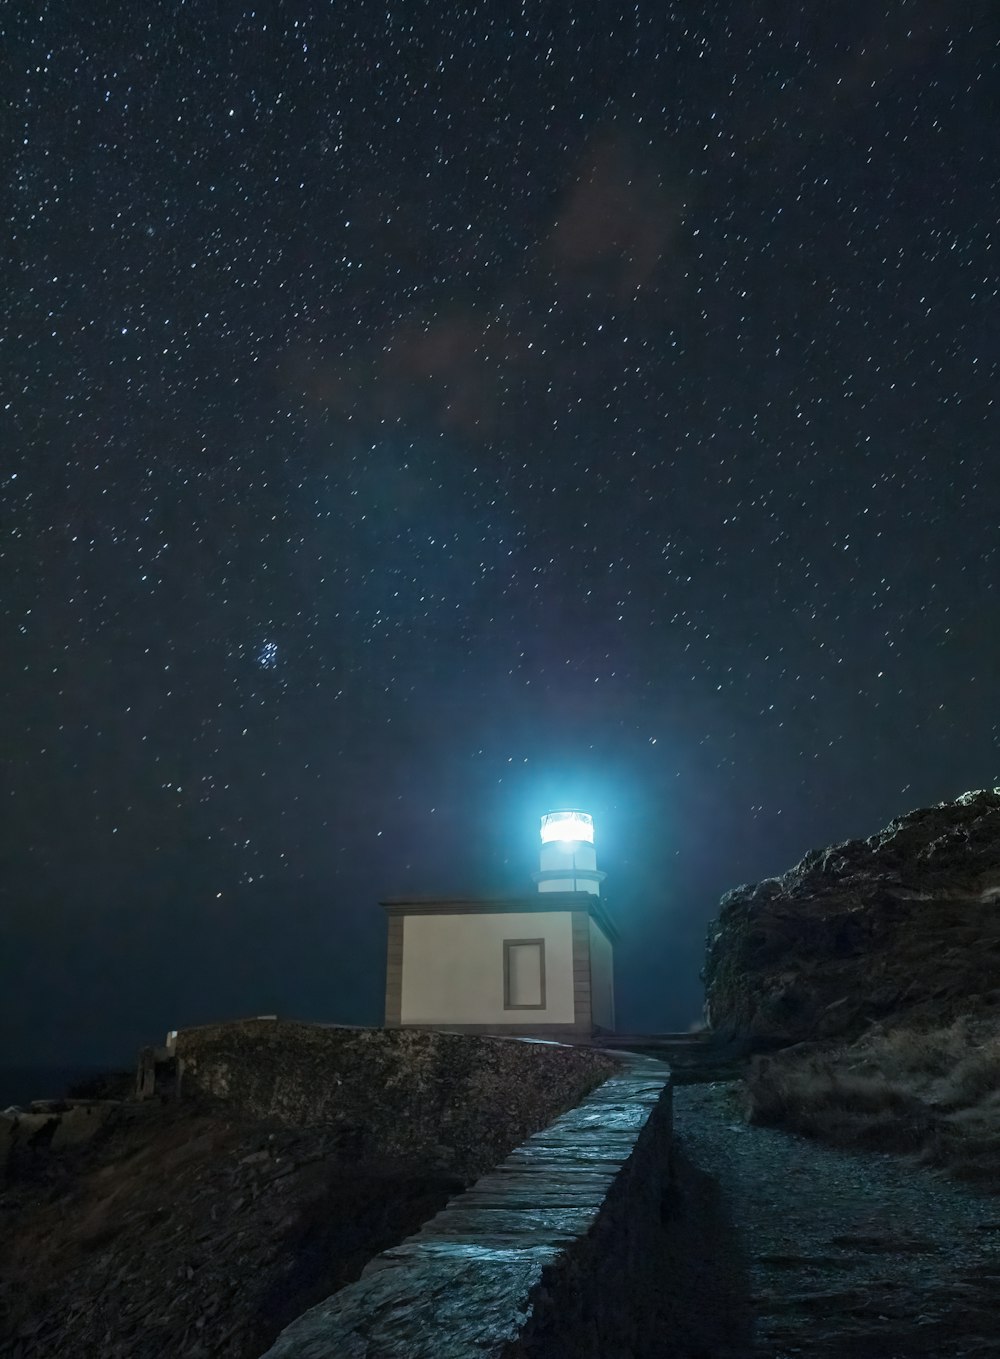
(540, 964)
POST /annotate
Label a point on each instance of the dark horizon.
(419, 421)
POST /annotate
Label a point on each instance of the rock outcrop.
(905, 921)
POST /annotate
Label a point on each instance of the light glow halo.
(568, 825)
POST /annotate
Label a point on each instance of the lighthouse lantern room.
(568, 860)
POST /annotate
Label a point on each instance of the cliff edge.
(905, 921)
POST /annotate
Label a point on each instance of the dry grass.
(931, 1092)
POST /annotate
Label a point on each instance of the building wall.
(453, 968)
(602, 978)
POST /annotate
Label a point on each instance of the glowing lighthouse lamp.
(568, 860)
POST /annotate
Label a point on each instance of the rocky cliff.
(907, 921)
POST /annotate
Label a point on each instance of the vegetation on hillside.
(931, 1092)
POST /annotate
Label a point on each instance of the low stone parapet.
(459, 1102)
(48, 1126)
(552, 1255)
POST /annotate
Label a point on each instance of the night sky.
(417, 416)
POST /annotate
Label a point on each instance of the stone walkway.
(835, 1254)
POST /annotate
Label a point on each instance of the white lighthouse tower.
(568, 859)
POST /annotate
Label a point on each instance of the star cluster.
(418, 414)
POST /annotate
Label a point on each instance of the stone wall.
(49, 1126)
(456, 1102)
(556, 1254)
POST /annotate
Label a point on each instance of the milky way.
(418, 417)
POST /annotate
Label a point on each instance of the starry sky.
(417, 416)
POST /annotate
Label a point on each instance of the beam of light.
(567, 825)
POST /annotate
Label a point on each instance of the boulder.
(907, 920)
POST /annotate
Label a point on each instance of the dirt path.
(841, 1254)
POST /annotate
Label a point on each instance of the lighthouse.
(534, 964)
(568, 859)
